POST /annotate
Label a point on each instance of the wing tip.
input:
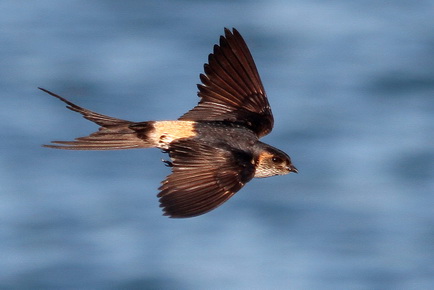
(228, 31)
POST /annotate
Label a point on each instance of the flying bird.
(214, 148)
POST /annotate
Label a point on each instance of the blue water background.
(351, 85)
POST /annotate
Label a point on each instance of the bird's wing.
(203, 177)
(231, 88)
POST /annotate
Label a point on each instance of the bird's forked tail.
(112, 135)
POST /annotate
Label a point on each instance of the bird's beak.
(292, 169)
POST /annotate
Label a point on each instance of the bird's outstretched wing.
(231, 88)
(203, 177)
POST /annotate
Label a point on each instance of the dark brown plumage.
(214, 148)
(231, 88)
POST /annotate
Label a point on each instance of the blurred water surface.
(351, 85)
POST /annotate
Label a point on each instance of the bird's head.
(271, 161)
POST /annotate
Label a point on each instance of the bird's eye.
(276, 159)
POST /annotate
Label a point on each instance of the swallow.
(214, 148)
